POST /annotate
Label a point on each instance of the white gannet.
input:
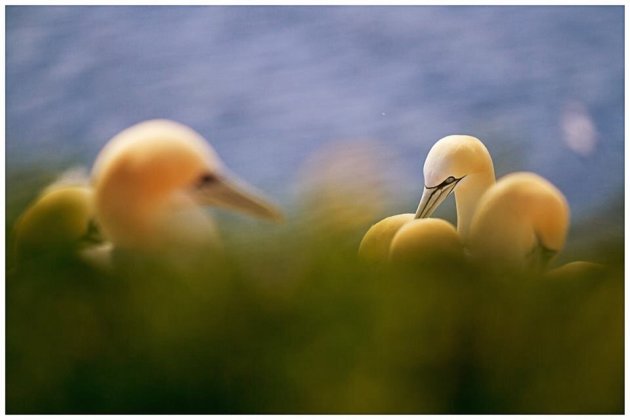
(521, 222)
(453, 161)
(459, 164)
(463, 165)
(150, 183)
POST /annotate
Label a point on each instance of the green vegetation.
(288, 321)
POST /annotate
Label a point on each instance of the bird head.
(158, 165)
(452, 162)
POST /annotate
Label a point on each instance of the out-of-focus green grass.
(290, 322)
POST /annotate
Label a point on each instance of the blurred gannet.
(60, 222)
(376, 242)
(424, 240)
(57, 220)
(521, 222)
(151, 181)
(576, 269)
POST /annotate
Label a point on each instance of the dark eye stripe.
(446, 182)
(207, 179)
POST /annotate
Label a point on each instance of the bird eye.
(207, 179)
(450, 180)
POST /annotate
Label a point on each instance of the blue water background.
(270, 86)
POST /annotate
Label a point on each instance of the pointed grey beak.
(229, 192)
(432, 197)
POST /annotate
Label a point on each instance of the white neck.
(467, 195)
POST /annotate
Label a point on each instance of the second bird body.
(521, 223)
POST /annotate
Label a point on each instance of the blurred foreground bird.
(60, 220)
(57, 220)
(576, 269)
(521, 223)
(403, 238)
(426, 240)
(377, 240)
(61, 223)
(151, 182)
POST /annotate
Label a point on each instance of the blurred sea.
(272, 86)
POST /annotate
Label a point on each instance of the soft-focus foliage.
(291, 322)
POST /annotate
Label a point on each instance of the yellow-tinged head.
(150, 180)
(456, 156)
(459, 164)
(155, 157)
